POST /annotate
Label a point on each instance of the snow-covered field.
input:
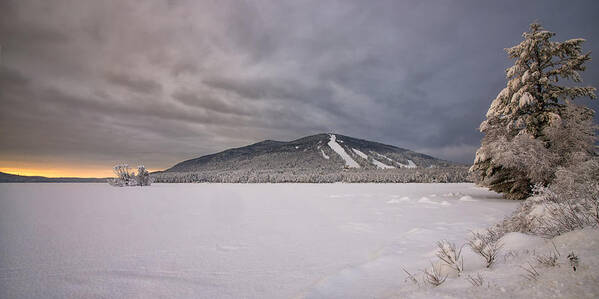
(229, 240)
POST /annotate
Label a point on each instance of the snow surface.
(382, 156)
(229, 240)
(359, 153)
(410, 164)
(381, 165)
(507, 277)
(324, 155)
(341, 152)
(378, 164)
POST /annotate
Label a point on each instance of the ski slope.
(349, 161)
(376, 163)
(228, 240)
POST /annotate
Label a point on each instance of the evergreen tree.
(143, 176)
(517, 149)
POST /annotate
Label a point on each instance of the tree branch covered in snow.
(532, 127)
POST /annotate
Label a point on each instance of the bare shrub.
(531, 273)
(476, 281)
(123, 176)
(411, 277)
(451, 255)
(486, 245)
(573, 259)
(550, 259)
(434, 276)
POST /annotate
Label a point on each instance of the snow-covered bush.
(410, 277)
(571, 202)
(143, 176)
(530, 272)
(126, 177)
(434, 276)
(550, 259)
(573, 259)
(450, 254)
(486, 244)
(123, 176)
(476, 281)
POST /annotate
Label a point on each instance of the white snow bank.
(507, 277)
(341, 152)
(427, 200)
(453, 194)
(518, 241)
(466, 198)
(398, 200)
(324, 155)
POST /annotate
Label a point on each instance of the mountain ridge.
(318, 151)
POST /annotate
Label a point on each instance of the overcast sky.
(85, 84)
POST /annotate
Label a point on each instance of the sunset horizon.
(312, 149)
(85, 85)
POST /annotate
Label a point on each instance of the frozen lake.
(228, 240)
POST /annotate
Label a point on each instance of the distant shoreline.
(14, 178)
(270, 176)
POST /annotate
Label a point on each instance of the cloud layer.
(97, 82)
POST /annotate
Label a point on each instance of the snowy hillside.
(315, 159)
(322, 151)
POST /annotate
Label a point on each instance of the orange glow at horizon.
(52, 172)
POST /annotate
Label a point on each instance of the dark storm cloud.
(11, 78)
(214, 104)
(136, 84)
(184, 67)
(160, 81)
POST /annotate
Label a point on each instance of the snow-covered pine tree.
(143, 176)
(516, 151)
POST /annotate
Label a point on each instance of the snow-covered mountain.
(331, 152)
